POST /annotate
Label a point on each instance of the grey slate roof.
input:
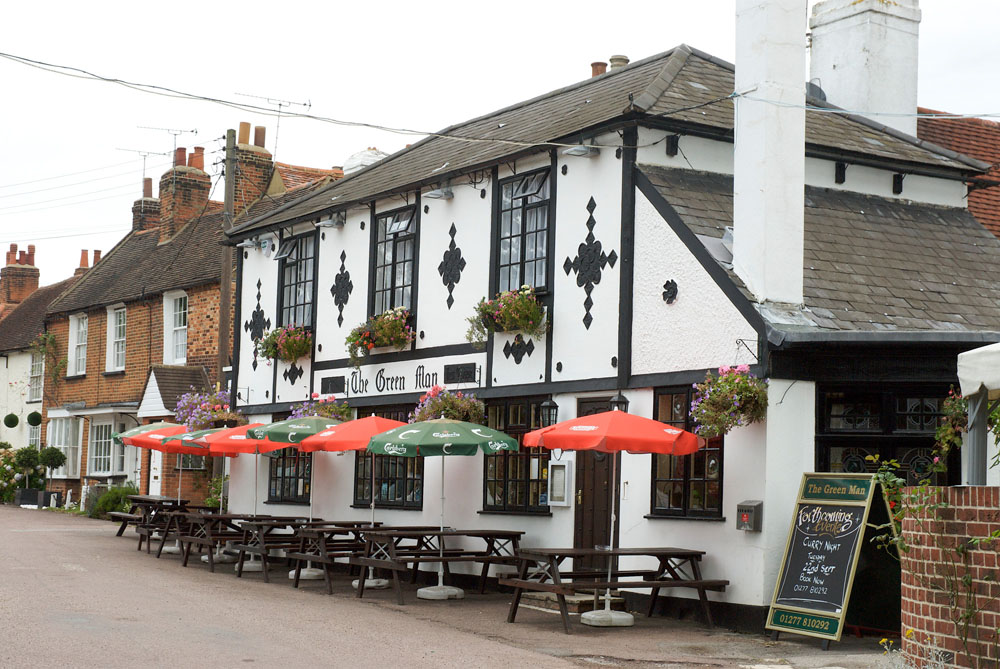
(871, 263)
(660, 86)
(175, 380)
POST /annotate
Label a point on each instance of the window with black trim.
(298, 273)
(685, 485)
(523, 231)
(288, 476)
(516, 481)
(395, 253)
(399, 481)
(893, 422)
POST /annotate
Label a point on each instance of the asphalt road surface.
(72, 594)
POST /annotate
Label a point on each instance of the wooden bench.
(125, 519)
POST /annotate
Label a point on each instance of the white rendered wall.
(346, 248)
(864, 54)
(586, 353)
(14, 375)
(770, 148)
(254, 386)
(700, 329)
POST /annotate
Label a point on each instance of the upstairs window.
(523, 231)
(298, 274)
(116, 339)
(77, 364)
(35, 378)
(395, 251)
(175, 326)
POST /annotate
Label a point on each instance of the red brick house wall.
(929, 631)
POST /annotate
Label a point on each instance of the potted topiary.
(388, 330)
(50, 458)
(510, 311)
(29, 470)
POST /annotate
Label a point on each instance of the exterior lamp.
(619, 402)
(439, 194)
(335, 220)
(583, 151)
(549, 411)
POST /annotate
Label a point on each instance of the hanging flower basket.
(202, 410)
(390, 329)
(322, 408)
(287, 343)
(438, 402)
(512, 311)
(733, 398)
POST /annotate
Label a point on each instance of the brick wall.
(929, 633)
(253, 167)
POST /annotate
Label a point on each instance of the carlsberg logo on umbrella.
(583, 428)
(498, 446)
(445, 435)
(394, 449)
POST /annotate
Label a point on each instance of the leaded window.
(399, 481)
(298, 275)
(523, 231)
(685, 485)
(288, 477)
(516, 481)
(395, 254)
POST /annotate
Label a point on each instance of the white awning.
(980, 368)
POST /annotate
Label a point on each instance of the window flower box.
(391, 330)
(287, 343)
(733, 398)
(511, 311)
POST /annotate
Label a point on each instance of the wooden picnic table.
(540, 570)
(208, 531)
(404, 549)
(262, 535)
(146, 512)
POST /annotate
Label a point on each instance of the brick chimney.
(254, 168)
(184, 191)
(146, 210)
(769, 152)
(18, 277)
(598, 68)
(84, 262)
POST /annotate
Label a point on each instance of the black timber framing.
(237, 333)
(626, 270)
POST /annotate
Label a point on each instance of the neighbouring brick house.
(22, 376)
(152, 301)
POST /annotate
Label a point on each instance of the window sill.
(538, 514)
(38, 401)
(381, 507)
(710, 519)
(74, 377)
(117, 372)
(275, 501)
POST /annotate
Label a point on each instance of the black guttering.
(783, 339)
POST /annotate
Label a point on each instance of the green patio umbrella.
(440, 436)
(288, 432)
(140, 429)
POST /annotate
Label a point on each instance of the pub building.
(661, 249)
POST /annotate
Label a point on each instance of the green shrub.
(115, 499)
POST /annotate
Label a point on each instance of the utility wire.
(69, 174)
(77, 183)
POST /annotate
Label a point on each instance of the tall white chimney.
(769, 163)
(864, 54)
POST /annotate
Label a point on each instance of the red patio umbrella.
(612, 432)
(232, 441)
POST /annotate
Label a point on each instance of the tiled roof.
(974, 137)
(26, 321)
(871, 263)
(666, 85)
(174, 380)
(140, 266)
(294, 176)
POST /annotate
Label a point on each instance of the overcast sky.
(420, 66)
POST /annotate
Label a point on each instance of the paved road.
(74, 595)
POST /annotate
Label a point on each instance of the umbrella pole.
(180, 476)
(611, 533)
(371, 581)
(441, 539)
(441, 591)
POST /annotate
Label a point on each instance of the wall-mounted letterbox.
(748, 515)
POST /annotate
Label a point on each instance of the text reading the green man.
(835, 489)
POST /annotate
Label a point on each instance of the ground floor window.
(186, 461)
(101, 447)
(288, 476)
(64, 434)
(35, 436)
(688, 485)
(399, 481)
(516, 481)
(892, 421)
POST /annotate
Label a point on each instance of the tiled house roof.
(871, 263)
(683, 86)
(174, 380)
(974, 137)
(26, 321)
(294, 176)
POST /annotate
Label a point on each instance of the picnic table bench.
(399, 550)
(260, 536)
(151, 515)
(539, 571)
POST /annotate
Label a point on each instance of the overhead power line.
(69, 174)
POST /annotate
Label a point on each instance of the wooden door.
(593, 474)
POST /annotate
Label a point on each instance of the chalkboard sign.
(821, 554)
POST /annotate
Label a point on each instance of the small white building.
(614, 198)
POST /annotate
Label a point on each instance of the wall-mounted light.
(619, 402)
(337, 219)
(549, 412)
(582, 151)
(439, 194)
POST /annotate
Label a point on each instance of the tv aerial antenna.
(280, 104)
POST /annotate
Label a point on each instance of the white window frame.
(172, 332)
(36, 377)
(35, 436)
(60, 431)
(115, 350)
(78, 329)
(101, 450)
